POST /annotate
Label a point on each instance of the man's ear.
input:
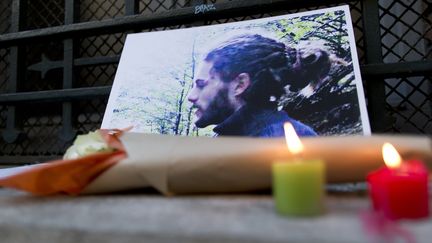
(242, 83)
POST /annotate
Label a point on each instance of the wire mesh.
(98, 10)
(5, 13)
(44, 13)
(102, 45)
(3, 117)
(156, 6)
(4, 69)
(100, 75)
(88, 114)
(405, 31)
(404, 28)
(409, 104)
(39, 125)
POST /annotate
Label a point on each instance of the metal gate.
(58, 59)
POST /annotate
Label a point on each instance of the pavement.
(146, 216)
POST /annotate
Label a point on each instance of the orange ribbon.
(68, 176)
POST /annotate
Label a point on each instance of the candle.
(399, 190)
(298, 184)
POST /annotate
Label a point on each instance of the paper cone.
(178, 165)
(62, 176)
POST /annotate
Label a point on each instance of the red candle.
(399, 190)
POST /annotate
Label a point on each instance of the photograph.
(244, 78)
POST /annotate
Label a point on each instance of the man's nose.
(192, 96)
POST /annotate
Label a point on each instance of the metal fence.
(58, 59)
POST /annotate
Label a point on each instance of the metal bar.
(165, 18)
(396, 70)
(25, 160)
(68, 63)
(372, 71)
(375, 90)
(71, 11)
(92, 61)
(19, 8)
(47, 65)
(385, 70)
(55, 95)
(67, 132)
(197, 2)
(11, 134)
(131, 7)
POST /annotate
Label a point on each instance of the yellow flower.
(85, 145)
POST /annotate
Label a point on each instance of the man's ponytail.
(311, 66)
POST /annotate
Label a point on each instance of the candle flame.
(391, 157)
(294, 144)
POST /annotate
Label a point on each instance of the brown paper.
(178, 165)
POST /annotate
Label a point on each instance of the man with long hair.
(238, 84)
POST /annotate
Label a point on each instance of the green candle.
(298, 187)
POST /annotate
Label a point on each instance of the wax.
(298, 187)
(400, 193)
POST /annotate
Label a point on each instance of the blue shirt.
(260, 122)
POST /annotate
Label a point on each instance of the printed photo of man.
(245, 78)
(238, 84)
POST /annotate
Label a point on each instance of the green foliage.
(328, 27)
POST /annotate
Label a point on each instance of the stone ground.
(150, 217)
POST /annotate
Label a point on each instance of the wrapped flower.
(117, 160)
(87, 144)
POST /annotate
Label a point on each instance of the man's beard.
(218, 110)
